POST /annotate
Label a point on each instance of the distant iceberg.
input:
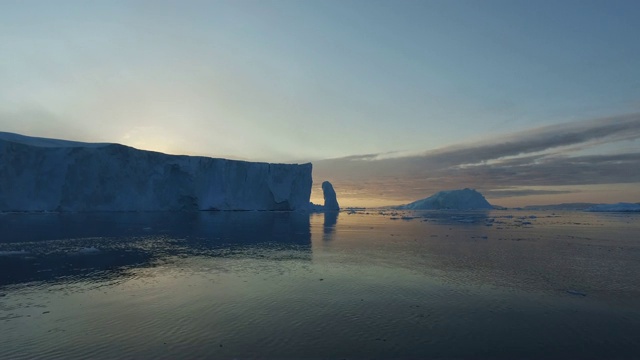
(563, 206)
(618, 207)
(465, 199)
(38, 174)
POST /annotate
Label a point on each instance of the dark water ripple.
(274, 285)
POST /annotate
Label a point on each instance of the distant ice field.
(359, 284)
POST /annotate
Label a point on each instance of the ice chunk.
(575, 292)
(89, 250)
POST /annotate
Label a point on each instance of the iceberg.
(465, 199)
(38, 174)
(330, 199)
(618, 207)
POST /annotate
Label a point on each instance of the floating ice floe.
(13, 253)
(89, 250)
(574, 292)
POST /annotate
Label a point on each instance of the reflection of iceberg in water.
(50, 247)
(329, 228)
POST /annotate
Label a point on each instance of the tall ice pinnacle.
(330, 201)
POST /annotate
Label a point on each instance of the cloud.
(593, 132)
(555, 155)
(557, 170)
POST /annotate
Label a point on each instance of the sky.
(527, 101)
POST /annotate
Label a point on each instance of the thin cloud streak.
(496, 194)
(612, 129)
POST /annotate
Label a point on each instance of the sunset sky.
(530, 102)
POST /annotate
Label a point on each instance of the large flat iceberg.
(39, 174)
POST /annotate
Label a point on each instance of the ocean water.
(369, 284)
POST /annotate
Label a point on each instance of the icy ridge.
(56, 175)
(617, 207)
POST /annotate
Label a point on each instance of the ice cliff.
(465, 199)
(39, 174)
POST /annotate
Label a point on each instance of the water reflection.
(329, 228)
(50, 247)
(477, 217)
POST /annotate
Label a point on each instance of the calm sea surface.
(499, 284)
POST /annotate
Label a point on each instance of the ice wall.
(55, 175)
